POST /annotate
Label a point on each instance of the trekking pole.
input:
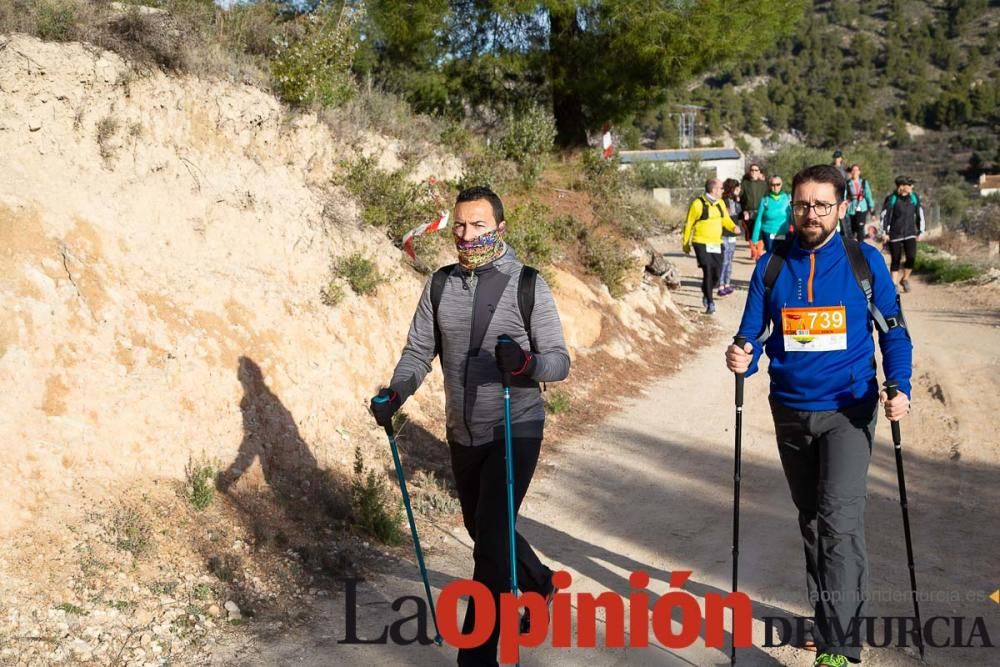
(413, 526)
(891, 389)
(509, 456)
(738, 341)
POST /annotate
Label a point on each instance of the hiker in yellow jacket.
(706, 217)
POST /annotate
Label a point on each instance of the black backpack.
(706, 206)
(525, 299)
(859, 267)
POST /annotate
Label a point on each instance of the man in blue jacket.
(824, 391)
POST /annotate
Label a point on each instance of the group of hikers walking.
(494, 325)
(759, 209)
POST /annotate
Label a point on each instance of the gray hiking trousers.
(825, 457)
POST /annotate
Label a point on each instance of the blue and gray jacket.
(830, 380)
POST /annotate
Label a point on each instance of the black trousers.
(825, 457)
(481, 480)
(711, 268)
(896, 251)
(857, 221)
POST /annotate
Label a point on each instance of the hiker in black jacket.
(902, 224)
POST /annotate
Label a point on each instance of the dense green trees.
(590, 61)
(856, 70)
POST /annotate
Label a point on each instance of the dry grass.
(193, 36)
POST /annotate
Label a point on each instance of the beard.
(813, 235)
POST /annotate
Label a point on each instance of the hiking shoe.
(722, 292)
(905, 284)
(730, 289)
(830, 660)
(710, 308)
(526, 616)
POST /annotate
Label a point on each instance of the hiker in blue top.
(823, 294)
(774, 215)
(859, 203)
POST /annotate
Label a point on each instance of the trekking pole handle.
(891, 389)
(384, 399)
(505, 377)
(739, 341)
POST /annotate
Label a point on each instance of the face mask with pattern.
(481, 250)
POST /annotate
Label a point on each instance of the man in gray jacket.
(477, 302)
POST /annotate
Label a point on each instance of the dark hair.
(751, 166)
(851, 168)
(479, 192)
(822, 173)
(728, 187)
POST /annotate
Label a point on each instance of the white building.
(988, 185)
(722, 163)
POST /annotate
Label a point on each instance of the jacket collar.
(832, 247)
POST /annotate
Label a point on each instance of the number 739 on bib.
(819, 329)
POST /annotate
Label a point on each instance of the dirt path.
(651, 489)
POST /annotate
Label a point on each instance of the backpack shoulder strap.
(704, 208)
(438, 281)
(862, 271)
(775, 261)
(526, 299)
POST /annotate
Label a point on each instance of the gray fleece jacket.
(475, 310)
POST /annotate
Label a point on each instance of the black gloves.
(512, 359)
(384, 406)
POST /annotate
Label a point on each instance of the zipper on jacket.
(812, 273)
(465, 377)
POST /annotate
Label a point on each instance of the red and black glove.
(512, 359)
(384, 406)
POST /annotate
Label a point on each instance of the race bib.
(714, 248)
(820, 329)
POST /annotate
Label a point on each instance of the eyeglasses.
(822, 208)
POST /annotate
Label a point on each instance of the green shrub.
(333, 293)
(430, 496)
(944, 270)
(529, 234)
(875, 161)
(200, 487)
(556, 402)
(527, 136)
(388, 200)
(650, 175)
(316, 68)
(55, 21)
(490, 169)
(376, 511)
(360, 273)
(71, 608)
(608, 260)
(130, 531)
(107, 127)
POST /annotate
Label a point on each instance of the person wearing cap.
(838, 162)
(902, 225)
